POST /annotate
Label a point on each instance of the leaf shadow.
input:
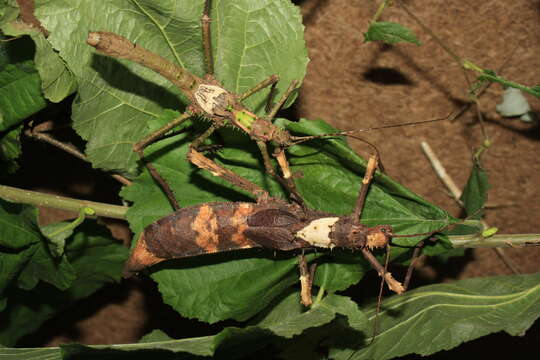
(220, 257)
(119, 76)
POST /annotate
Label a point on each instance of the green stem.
(78, 221)
(319, 297)
(499, 240)
(441, 43)
(380, 10)
(60, 202)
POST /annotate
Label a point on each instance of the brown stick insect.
(269, 223)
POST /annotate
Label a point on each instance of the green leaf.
(117, 98)
(17, 240)
(339, 272)
(284, 321)
(57, 81)
(155, 336)
(10, 150)
(474, 195)
(390, 33)
(57, 233)
(440, 317)
(201, 287)
(43, 266)
(50, 353)
(20, 93)
(96, 260)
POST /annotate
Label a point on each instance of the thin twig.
(60, 202)
(456, 195)
(71, 150)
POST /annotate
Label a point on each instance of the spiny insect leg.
(392, 283)
(286, 181)
(207, 39)
(370, 170)
(151, 138)
(271, 80)
(205, 163)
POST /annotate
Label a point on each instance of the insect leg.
(370, 170)
(207, 39)
(392, 283)
(271, 80)
(410, 269)
(203, 162)
(151, 138)
(286, 181)
(272, 113)
(306, 280)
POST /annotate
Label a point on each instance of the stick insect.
(273, 224)
(211, 100)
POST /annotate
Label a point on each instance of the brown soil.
(355, 85)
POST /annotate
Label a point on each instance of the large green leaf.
(284, 321)
(440, 317)
(95, 258)
(116, 99)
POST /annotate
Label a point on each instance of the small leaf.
(155, 336)
(57, 80)
(474, 195)
(489, 232)
(390, 33)
(57, 233)
(10, 150)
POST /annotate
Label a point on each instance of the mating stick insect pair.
(269, 223)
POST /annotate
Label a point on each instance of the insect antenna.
(300, 139)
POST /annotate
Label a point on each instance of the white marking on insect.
(317, 232)
(207, 97)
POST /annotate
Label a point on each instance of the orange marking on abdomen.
(206, 227)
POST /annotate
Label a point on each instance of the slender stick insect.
(211, 100)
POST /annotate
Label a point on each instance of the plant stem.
(71, 150)
(499, 240)
(60, 202)
(379, 11)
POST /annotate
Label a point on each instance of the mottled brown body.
(216, 227)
